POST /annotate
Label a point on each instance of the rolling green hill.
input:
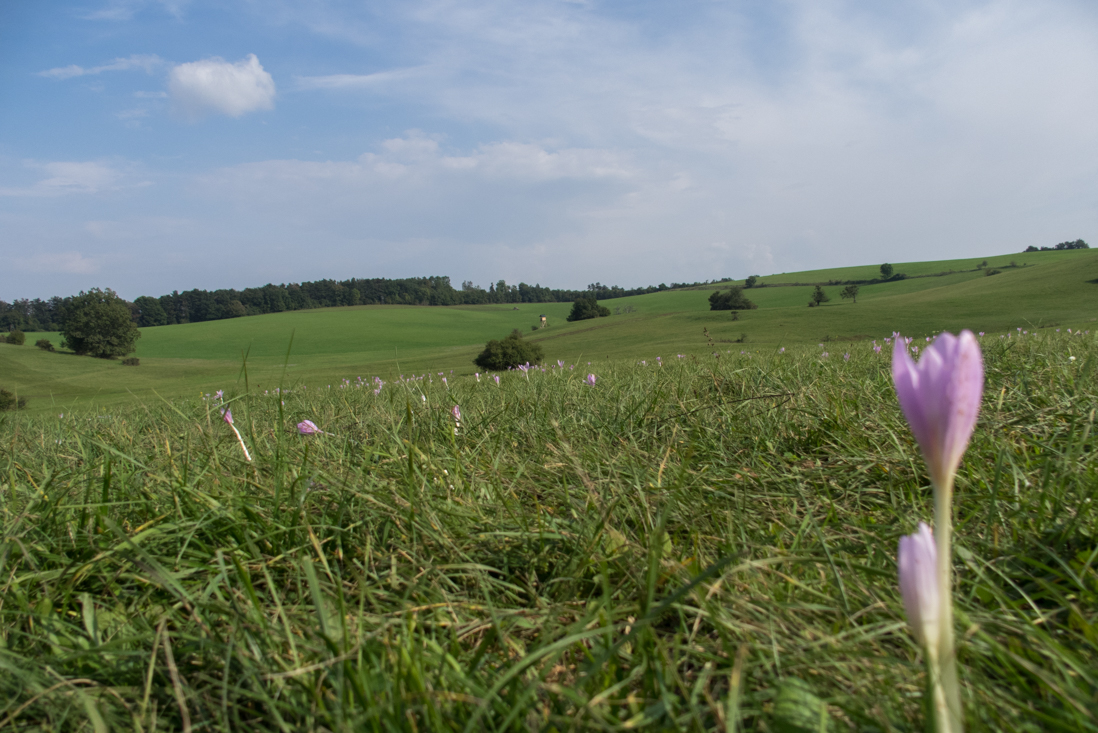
(1046, 289)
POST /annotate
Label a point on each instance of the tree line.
(193, 306)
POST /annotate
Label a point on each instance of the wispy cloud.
(69, 263)
(147, 63)
(61, 178)
(356, 81)
(216, 85)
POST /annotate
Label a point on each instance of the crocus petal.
(940, 397)
(227, 415)
(307, 427)
(918, 567)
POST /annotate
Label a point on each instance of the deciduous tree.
(98, 323)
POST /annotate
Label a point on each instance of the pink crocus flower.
(308, 427)
(940, 397)
(456, 412)
(918, 566)
(590, 380)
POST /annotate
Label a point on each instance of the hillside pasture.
(321, 347)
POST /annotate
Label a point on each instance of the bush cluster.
(131, 361)
(8, 401)
(585, 308)
(730, 300)
(16, 337)
(508, 353)
(44, 344)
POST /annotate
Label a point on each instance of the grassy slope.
(330, 344)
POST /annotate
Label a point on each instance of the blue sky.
(151, 146)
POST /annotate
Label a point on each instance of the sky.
(149, 146)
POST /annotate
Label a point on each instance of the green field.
(332, 344)
(707, 545)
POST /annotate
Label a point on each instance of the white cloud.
(147, 63)
(70, 263)
(215, 85)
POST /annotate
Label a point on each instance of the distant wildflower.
(846, 356)
(446, 383)
(308, 427)
(824, 355)
(1071, 358)
(982, 333)
(496, 376)
(477, 375)
(227, 416)
(590, 380)
(219, 395)
(781, 350)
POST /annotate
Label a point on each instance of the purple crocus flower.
(918, 568)
(590, 380)
(456, 412)
(940, 397)
(308, 427)
(496, 376)
(219, 395)
(227, 415)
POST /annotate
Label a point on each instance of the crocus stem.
(242, 446)
(949, 719)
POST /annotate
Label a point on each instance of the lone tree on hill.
(98, 323)
(730, 300)
(751, 281)
(818, 296)
(508, 353)
(850, 291)
(585, 308)
(886, 271)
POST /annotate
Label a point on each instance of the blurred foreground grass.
(672, 548)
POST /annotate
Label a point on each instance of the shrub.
(585, 308)
(131, 361)
(508, 353)
(17, 337)
(44, 344)
(9, 401)
(730, 300)
(991, 271)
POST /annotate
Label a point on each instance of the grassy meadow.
(320, 347)
(705, 543)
